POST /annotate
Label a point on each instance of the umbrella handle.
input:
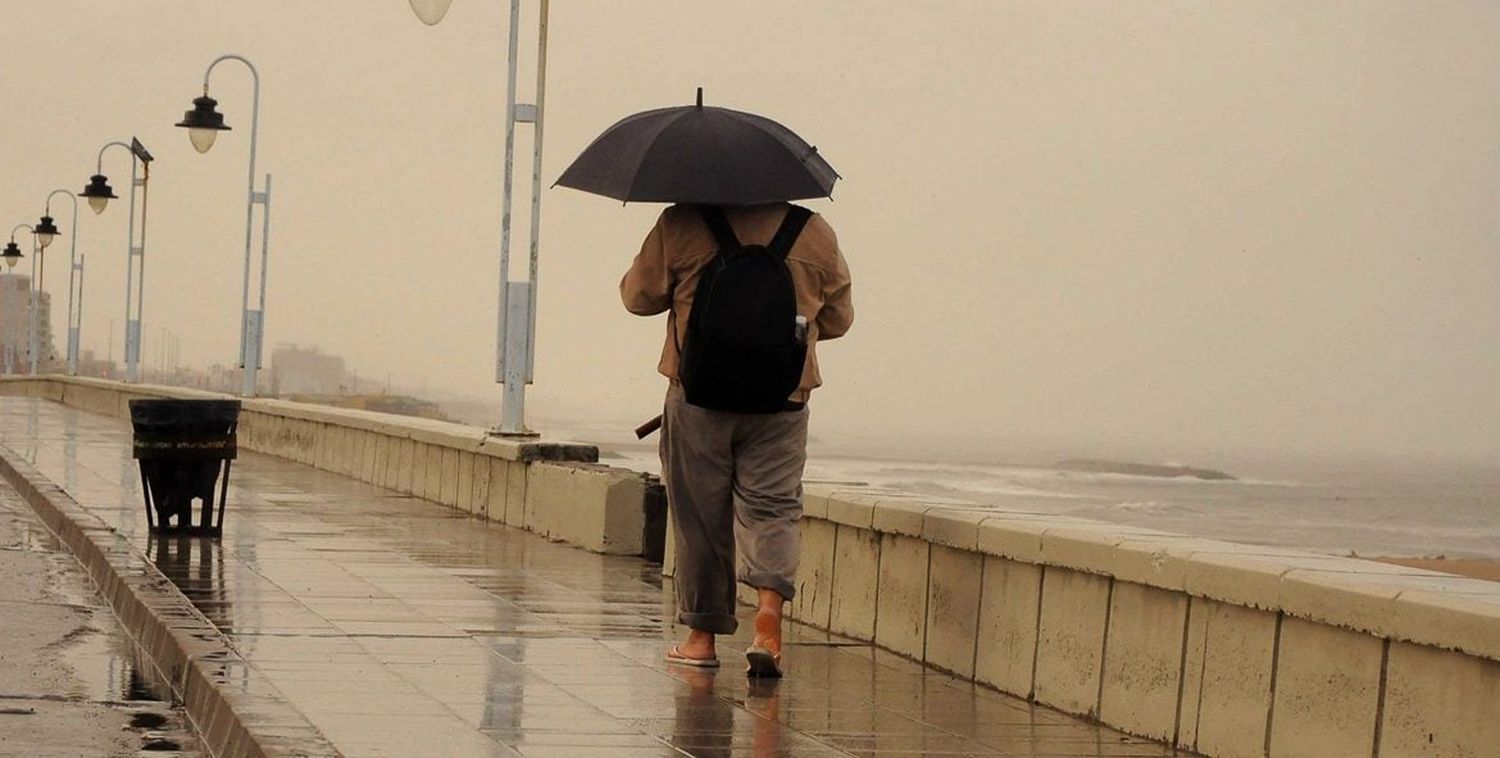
(644, 430)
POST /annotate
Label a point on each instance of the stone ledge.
(442, 433)
(592, 506)
(1395, 602)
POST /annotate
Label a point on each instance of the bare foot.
(768, 622)
(698, 645)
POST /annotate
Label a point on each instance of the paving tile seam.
(144, 611)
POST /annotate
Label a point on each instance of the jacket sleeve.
(837, 314)
(646, 289)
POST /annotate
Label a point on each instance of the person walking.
(770, 283)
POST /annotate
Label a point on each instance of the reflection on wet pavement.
(71, 681)
(404, 628)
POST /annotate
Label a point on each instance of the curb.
(218, 689)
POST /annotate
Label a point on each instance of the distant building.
(305, 371)
(15, 339)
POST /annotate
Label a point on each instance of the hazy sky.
(1148, 225)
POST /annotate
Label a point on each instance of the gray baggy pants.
(734, 484)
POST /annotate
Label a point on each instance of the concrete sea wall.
(557, 490)
(1224, 648)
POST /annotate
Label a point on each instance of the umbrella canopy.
(703, 155)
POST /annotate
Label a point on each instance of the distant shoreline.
(1096, 466)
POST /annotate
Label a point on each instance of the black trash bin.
(183, 447)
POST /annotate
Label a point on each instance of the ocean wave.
(980, 490)
(1155, 508)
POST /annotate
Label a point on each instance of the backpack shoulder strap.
(791, 226)
(718, 223)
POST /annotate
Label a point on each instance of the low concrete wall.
(554, 489)
(1223, 648)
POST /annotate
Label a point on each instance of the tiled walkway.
(403, 628)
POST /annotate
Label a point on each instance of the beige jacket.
(664, 277)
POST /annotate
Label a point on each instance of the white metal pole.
(132, 327)
(130, 250)
(536, 192)
(506, 190)
(517, 328)
(515, 325)
(258, 337)
(78, 324)
(36, 304)
(140, 252)
(72, 354)
(4, 343)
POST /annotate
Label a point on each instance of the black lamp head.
(203, 115)
(45, 231)
(45, 226)
(11, 255)
(203, 123)
(98, 192)
(98, 187)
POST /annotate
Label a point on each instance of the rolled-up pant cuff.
(713, 623)
(770, 582)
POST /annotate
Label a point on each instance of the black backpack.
(745, 350)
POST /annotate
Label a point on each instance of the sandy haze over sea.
(1170, 227)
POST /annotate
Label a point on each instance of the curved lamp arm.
(71, 197)
(27, 227)
(99, 165)
(254, 74)
(254, 101)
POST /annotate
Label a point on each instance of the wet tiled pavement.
(403, 628)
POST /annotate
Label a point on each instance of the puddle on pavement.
(105, 667)
(103, 670)
(101, 660)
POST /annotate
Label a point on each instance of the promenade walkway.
(402, 628)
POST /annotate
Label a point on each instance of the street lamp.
(11, 256)
(75, 273)
(99, 193)
(204, 123)
(33, 291)
(516, 324)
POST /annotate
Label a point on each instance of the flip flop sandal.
(675, 656)
(762, 664)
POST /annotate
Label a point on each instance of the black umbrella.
(698, 154)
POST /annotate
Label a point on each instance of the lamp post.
(516, 324)
(45, 231)
(204, 123)
(12, 255)
(98, 193)
(33, 293)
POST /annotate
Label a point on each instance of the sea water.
(1370, 505)
(1327, 505)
